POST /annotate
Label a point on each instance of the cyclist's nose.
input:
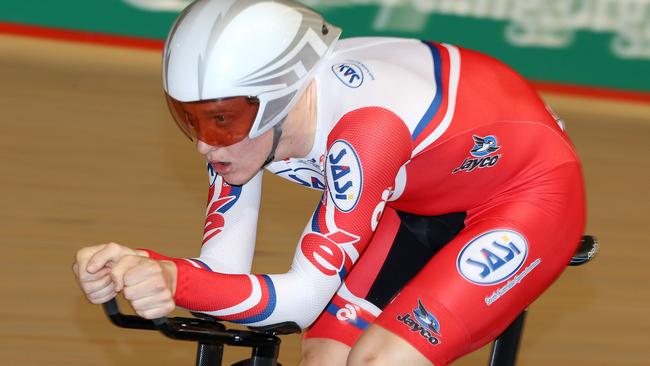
(203, 148)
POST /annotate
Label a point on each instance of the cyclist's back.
(486, 163)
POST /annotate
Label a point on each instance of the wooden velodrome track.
(90, 155)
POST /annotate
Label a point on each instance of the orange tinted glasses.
(217, 122)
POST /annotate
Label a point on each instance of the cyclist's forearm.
(252, 299)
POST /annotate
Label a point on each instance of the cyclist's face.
(238, 163)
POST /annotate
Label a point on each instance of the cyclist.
(452, 198)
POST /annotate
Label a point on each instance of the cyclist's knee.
(379, 347)
(323, 352)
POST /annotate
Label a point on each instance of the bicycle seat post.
(209, 354)
(505, 347)
(266, 354)
(265, 348)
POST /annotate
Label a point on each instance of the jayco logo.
(422, 322)
(481, 154)
(492, 257)
(344, 175)
(350, 74)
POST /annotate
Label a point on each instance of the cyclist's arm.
(230, 227)
(335, 237)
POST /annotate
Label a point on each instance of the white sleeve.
(359, 180)
(230, 225)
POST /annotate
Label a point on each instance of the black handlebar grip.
(160, 322)
(112, 310)
(110, 307)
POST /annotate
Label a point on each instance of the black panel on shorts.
(417, 240)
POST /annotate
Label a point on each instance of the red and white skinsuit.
(410, 127)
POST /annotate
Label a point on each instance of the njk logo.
(422, 322)
(492, 257)
(350, 74)
(344, 175)
(481, 154)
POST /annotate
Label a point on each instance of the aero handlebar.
(210, 334)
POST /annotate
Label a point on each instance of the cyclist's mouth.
(221, 167)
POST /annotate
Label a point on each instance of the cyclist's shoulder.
(377, 58)
(366, 77)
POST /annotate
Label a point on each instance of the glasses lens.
(217, 122)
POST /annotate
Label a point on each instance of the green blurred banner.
(600, 43)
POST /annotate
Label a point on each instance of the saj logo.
(422, 322)
(492, 257)
(344, 175)
(482, 156)
(350, 74)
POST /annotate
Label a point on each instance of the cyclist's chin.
(237, 177)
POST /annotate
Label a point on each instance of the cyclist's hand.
(148, 284)
(92, 268)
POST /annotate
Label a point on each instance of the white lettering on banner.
(540, 23)
(159, 5)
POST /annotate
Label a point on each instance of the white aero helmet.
(254, 56)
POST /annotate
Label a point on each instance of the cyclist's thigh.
(323, 352)
(510, 251)
(379, 347)
(395, 254)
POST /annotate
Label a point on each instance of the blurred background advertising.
(561, 45)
